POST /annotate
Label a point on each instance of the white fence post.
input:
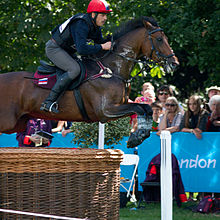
(166, 177)
(101, 136)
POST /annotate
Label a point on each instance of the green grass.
(152, 211)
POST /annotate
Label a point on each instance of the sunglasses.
(171, 105)
(163, 93)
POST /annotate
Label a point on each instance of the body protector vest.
(62, 34)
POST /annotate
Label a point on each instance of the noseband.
(153, 48)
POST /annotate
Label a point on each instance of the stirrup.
(48, 107)
(54, 107)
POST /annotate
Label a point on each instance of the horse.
(104, 97)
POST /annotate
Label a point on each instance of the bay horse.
(104, 98)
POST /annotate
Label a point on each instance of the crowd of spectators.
(169, 114)
(195, 117)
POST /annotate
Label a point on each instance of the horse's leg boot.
(50, 104)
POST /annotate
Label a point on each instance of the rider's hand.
(106, 46)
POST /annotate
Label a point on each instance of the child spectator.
(147, 98)
(157, 110)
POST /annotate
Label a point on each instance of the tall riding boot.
(50, 104)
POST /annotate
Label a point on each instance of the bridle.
(153, 48)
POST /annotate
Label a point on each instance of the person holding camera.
(32, 136)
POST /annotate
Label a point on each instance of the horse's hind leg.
(10, 124)
(7, 123)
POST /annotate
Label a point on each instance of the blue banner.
(199, 160)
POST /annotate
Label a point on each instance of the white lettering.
(197, 163)
(194, 161)
(200, 161)
(211, 161)
(184, 161)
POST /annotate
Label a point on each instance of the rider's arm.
(80, 32)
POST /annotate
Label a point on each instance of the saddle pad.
(44, 81)
(47, 81)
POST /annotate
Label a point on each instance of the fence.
(199, 160)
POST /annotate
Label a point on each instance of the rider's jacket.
(76, 33)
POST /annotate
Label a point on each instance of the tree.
(86, 134)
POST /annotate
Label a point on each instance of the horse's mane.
(132, 25)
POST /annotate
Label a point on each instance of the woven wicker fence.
(76, 183)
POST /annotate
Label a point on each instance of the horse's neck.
(127, 49)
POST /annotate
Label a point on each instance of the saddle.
(47, 75)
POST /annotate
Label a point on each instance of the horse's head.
(159, 49)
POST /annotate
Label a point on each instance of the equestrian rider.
(70, 37)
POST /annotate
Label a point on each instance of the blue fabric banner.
(199, 160)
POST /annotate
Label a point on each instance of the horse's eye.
(159, 39)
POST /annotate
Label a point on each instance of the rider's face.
(101, 19)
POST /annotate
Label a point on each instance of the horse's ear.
(147, 25)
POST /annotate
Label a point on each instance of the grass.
(152, 211)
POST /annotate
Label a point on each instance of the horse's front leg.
(117, 111)
(144, 119)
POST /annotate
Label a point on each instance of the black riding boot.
(50, 104)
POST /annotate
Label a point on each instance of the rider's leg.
(64, 61)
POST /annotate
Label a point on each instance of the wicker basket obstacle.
(75, 183)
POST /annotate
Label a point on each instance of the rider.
(70, 37)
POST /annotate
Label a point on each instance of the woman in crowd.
(172, 117)
(195, 118)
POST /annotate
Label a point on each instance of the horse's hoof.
(137, 137)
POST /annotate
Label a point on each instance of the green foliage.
(86, 134)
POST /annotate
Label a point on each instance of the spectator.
(172, 117)
(163, 93)
(157, 111)
(28, 138)
(148, 97)
(61, 125)
(145, 87)
(211, 91)
(195, 118)
(214, 118)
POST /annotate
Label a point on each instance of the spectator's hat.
(212, 88)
